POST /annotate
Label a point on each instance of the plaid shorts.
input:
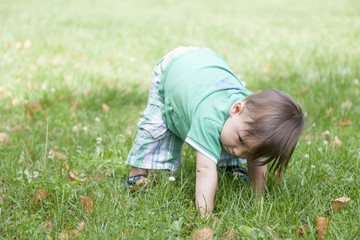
(155, 146)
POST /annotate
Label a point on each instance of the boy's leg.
(155, 147)
(134, 171)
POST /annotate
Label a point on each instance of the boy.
(196, 98)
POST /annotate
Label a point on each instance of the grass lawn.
(74, 81)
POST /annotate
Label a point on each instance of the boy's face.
(232, 136)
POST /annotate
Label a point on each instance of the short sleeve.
(204, 136)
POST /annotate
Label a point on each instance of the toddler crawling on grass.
(196, 98)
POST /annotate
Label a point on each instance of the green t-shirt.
(199, 88)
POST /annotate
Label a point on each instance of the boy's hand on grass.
(206, 184)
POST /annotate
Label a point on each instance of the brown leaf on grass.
(86, 203)
(189, 226)
(15, 128)
(336, 142)
(72, 176)
(300, 231)
(69, 234)
(4, 139)
(75, 105)
(346, 104)
(203, 234)
(32, 106)
(344, 123)
(126, 231)
(60, 155)
(129, 127)
(129, 89)
(326, 134)
(112, 85)
(267, 68)
(30, 115)
(331, 178)
(303, 90)
(322, 225)
(15, 101)
(2, 198)
(276, 234)
(48, 225)
(105, 107)
(229, 234)
(99, 176)
(338, 203)
(39, 197)
(307, 138)
(329, 111)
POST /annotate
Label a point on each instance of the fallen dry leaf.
(39, 197)
(72, 176)
(112, 85)
(129, 127)
(322, 225)
(60, 155)
(4, 139)
(266, 68)
(276, 234)
(86, 203)
(338, 203)
(68, 234)
(32, 106)
(15, 101)
(303, 90)
(105, 107)
(336, 142)
(30, 115)
(346, 104)
(48, 225)
(203, 234)
(99, 176)
(229, 234)
(326, 134)
(329, 111)
(126, 231)
(307, 138)
(344, 123)
(300, 231)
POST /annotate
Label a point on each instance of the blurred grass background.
(71, 57)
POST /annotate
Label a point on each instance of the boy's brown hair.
(277, 123)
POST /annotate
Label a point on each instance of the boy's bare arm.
(206, 184)
(257, 175)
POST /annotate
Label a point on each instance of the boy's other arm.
(206, 184)
(257, 175)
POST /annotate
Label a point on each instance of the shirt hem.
(202, 151)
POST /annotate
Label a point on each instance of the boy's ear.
(237, 109)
